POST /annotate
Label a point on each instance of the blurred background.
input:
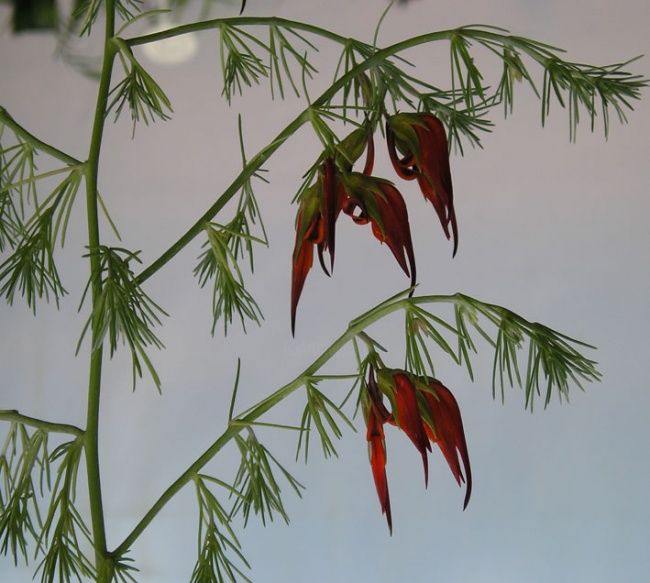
(556, 231)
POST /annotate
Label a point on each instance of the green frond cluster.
(367, 93)
(31, 223)
(31, 270)
(240, 65)
(242, 239)
(355, 94)
(243, 59)
(514, 71)
(63, 197)
(257, 487)
(465, 75)
(19, 177)
(225, 246)
(548, 364)
(553, 359)
(8, 223)
(64, 529)
(462, 125)
(123, 570)
(219, 263)
(282, 55)
(420, 325)
(22, 185)
(322, 413)
(576, 87)
(85, 13)
(320, 119)
(24, 473)
(18, 173)
(218, 544)
(59, 534)
(123, 311)
(138, 91)
(248, 213)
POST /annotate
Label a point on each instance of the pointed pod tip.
(321, 260)
(468, 494)
(454, 230)
(425, 462)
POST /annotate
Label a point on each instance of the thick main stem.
(102, 564)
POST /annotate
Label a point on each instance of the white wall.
(556, 231)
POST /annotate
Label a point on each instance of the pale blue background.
(558, 232)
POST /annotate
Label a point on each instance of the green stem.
(21, 132)
(15, 416)
(249, 417)
(237, 21)
(102, 563)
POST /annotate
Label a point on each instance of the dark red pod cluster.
(427, 412)
(417, 145)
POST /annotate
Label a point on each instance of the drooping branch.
(557, 360)
(20, 131)
(582, 83)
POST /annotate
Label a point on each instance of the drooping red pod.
(418, 149)
(427, 412)
(377, 201)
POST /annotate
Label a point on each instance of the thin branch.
(585, 369)
(15, 416)
(237, 21)
(21, 132)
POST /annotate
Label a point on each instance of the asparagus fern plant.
(376, 97)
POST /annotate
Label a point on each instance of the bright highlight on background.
(170, 51)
